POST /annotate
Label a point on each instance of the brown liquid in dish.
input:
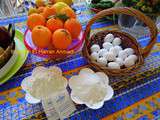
(5, 38)
(6, 46)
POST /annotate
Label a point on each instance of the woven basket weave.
(127, 40)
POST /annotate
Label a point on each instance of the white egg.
(129, 51)
(134, 57)
(128, 62)
(114, 50)
(110, 56)
(95, 48)
(122, 54)
(116, 41)
(102, 52)
(109, 38)
(119, 61)
(113, 65)
(119, 48)
(94, 55)
(107, 45)
(102, 61)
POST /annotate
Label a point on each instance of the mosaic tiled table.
(137, 97)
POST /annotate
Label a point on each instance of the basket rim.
(96, 10)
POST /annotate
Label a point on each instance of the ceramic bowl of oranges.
(53, 31)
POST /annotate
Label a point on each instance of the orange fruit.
(51, 47)
(68, 2)
(42, 15)
(49, 11)
(52, 1)
(74, 27)
(61, 39)
(41, 36)
(32, 10)
(54, 24)
(41, 9)
(69, 12)
(34, 20)
(59, 6)
(40, 3)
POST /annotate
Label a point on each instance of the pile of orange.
(54, 25)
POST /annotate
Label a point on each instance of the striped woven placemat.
(136, 96)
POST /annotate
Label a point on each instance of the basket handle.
(132, 12)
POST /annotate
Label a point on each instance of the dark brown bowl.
(7, 43)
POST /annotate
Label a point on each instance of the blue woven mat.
(141, 85)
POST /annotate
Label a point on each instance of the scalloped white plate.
(108, 96)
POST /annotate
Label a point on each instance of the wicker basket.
(127, 40)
